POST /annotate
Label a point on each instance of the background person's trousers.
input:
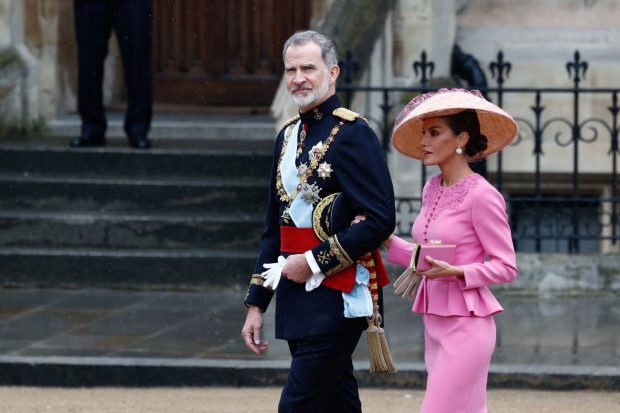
(131, 21)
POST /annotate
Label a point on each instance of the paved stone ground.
(264, 400)
(173, 338)
(534, 331)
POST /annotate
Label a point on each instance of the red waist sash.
(299, 240)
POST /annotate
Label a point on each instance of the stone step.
(59, 229)
(93, 194)
(117, 268)
(186, 214)
(126, 163)
(176, 126)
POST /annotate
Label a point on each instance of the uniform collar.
(320, 112)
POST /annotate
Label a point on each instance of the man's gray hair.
(328, 49)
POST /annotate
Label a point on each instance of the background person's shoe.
(140, 143)
(86, 142)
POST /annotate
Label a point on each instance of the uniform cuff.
(314, 266)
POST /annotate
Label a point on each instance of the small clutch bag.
(407, 284)
(437, 251)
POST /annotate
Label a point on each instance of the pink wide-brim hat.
(496, 124)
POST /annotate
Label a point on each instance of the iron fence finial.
(575, 66)
(423, 65)
(501, 67)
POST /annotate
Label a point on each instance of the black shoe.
(84, 142)
(140, 143)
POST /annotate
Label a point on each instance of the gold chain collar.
(306, 172)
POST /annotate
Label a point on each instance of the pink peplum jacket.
(472, 215)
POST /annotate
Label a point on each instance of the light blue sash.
(300, 211)
(358, 303)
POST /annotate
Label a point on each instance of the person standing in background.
(94, 22)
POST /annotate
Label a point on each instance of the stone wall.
(567, 274)
(539, 38)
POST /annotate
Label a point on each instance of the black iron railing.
(556, 211)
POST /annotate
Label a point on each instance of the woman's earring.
(459, 151)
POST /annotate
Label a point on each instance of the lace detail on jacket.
(438, 198)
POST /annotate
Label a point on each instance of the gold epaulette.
(346, 114)
(290, 121)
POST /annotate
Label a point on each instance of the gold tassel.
(381, 361)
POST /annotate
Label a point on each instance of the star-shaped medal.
(324, 171)
(302, 169)
(310, 193)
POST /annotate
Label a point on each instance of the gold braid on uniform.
(257, 279)
(346, 114)
(336, 250)
(321, 229)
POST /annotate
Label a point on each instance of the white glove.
(314, 281)
(273, 273)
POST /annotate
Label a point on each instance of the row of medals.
(309, 192)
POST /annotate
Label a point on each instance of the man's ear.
(334, 71)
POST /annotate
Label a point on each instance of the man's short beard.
(312, 97)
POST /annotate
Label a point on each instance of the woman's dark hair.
(467, 121)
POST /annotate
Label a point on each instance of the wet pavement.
(108, 337)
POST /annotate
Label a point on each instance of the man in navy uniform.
(325, 150)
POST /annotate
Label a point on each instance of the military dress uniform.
(336, 152)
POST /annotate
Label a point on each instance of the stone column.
(18, 97)
(5, 24)
(46, 12)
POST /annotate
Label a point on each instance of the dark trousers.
(131, 21)
(321, 376)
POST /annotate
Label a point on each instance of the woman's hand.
(388, 242)
(441, 269)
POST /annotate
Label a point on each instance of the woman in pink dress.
(450, 128)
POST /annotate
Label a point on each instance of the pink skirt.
(457, 355)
